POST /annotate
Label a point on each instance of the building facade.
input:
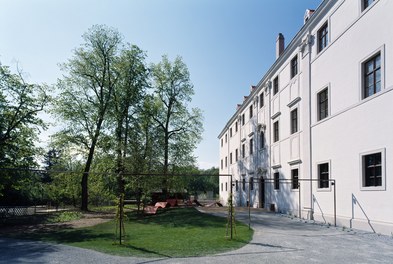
(314, 138)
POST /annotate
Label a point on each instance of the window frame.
(276, 85)
(276, 131)
(243, 150)
(365, 4)
(236, 127)
(243, 119)
(230, 158)
(326, 102)
(362, 155)
(236, 155)
(294, 121)
(261, 140)
(366, 74)
(251, 147)
(323, 37)
(251, 111)
(294, 187)
(294, 66)
(327, 181)
(251, 183)
(261, 100)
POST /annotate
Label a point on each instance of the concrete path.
(277, 239)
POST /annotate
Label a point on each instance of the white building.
(322, 112)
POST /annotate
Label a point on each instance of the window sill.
(328, 189)
(373, 188)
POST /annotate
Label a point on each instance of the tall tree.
(180, 127)
(86, 93)
(20, 103)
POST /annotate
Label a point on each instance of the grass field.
(178, 232)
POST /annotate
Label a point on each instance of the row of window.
(372, 79)
(372, 174)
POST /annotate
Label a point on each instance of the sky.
(228, 45)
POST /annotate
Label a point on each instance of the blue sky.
(227, 45)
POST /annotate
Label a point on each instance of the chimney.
(280, 45)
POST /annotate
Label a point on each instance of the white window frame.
(329, 188)
(362, 170)
(327, 86)
(295, 167)
(381, 51)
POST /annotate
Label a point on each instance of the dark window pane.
(323, 174)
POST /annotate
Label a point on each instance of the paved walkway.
(277, 239)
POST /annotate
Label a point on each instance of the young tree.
(86, 93)
(180, 128)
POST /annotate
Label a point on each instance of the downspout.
(309, 41)
(268, 88)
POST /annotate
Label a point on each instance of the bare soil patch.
(88, 219)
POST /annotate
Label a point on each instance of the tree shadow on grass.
(179, 217)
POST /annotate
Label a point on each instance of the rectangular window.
(372, 170)
(244, 184)
(276, 135)
(222, 164)
(323, 104)
(243, 150)
(230, 132)
(236, 154)
(230, 158)
(276, 181)
(251, 114)
(294, 68)
(323, 175)
(243, 120)
(295, 178)
(236, 126)
(294, 121)
(262, 140)
(261, 100)
(226, 162)
(226, 186)
(222, 142)
(251, 183)
(237, 185)
(226, 138)
(251, 146)
(372, 76)
(323, 37)
(275, 85)
(222, 187)
(366, 3)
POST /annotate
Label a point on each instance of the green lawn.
(178, 232)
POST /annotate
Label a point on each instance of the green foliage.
(20, 103)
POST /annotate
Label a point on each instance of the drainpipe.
(309, 124)
(268, 88)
